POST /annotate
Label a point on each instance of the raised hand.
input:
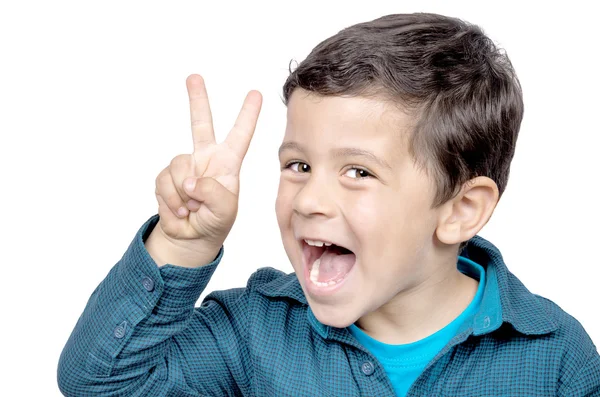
(198, 193)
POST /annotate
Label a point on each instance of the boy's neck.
(422, 311)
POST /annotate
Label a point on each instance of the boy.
(399, 138)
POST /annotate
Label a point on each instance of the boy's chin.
(332, 316)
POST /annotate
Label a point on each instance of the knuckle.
(181, 166)
(161, 176)
(180, 161)
(162, 181)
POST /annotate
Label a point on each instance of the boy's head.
(398, 145)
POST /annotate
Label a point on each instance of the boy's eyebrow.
(340, 152)
(356, 152)
(290, 145)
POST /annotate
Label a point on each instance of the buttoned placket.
(370, 372)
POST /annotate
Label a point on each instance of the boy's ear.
(463, 216)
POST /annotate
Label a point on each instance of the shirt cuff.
(178, 288)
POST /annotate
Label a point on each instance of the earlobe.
(463, 216)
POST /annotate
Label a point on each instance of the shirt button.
(367, 368)
(120, 330)
(148, 284)
(486, 322)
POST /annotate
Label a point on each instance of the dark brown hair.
(462, 90)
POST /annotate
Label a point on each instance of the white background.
(93, 105)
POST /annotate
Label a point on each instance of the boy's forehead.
(306, 103)
(352, 117)
(347, 127)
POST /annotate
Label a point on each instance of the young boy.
(400, 134)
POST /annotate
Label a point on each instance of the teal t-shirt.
(404, 363)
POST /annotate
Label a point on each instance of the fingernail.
(189, 184)
(182, 211)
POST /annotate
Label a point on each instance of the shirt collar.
(505, 298)
(286, 286)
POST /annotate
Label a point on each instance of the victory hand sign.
(198, 193)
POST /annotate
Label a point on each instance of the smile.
(326, 265)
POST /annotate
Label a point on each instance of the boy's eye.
(298, 166)
(353, 172)
(358, 173)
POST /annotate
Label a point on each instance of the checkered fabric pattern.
(140, 335)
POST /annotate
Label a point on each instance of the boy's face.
(380, 216)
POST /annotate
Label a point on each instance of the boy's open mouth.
(327, 264)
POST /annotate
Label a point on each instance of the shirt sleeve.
(586, 382)
(140, 333)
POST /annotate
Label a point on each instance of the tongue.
(335, 266)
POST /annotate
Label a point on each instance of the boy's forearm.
(128, 324)
(164, 251)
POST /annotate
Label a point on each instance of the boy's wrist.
(164, 250)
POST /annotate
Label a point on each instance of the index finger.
(201, 117)
(241, 134)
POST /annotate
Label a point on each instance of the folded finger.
(180, 168)
(167, 195)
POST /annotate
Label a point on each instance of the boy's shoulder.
(569, 334)
(530, 330)
(570, 348)
(530, 314)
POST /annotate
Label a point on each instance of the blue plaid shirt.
(140, 335)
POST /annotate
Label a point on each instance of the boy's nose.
(315, 198)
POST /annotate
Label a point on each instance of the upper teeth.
(317, 243)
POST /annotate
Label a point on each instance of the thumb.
(216, 197)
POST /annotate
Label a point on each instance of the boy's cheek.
(280, 202)
(284, 204)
